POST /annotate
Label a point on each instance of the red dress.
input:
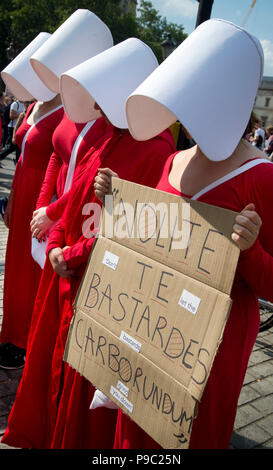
(52, 403)
(213, 426)
(22, 273)
(64, 139)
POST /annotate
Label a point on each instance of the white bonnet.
(209, 83)
(107, 79)
(20, 78)
(80, 37)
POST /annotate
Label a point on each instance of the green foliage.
(153, 28)
(22, 20)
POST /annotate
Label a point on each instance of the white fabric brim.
(209, 83)
(20, 78)
(81, 36)
(77, 101)
(107, 79)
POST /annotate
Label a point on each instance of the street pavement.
(254, 421)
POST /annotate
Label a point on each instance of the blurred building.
(128, 6)
(264, 102)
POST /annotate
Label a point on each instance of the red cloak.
(22, 273)
(52, 403)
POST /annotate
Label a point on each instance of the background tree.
(153, 28)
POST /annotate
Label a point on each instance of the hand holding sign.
(247, 223)
(247, 227)
(102, 182)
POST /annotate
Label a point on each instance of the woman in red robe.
(217, 409)
(54, 309)
(82, 36)
(52, 403)
(22, 274)
(34, 137)
(63, 140)
(70, 141)
(75, 424)
(22, 79)
(224, 171)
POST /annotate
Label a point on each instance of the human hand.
(58, 263)
(102, 182)
(40, 223)
(247, 227)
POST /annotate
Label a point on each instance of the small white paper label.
(122, 388)
(110, 260)
(132, 342)
(121, 399)
(189, 301)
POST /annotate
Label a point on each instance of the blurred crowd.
(260, 137)
(12, 112)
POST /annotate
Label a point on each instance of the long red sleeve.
(149, 161)
(256, 264)
(256, 267)
(78, 254)
(55, 210)
(56, 237)
(75, 255)
(48, 188)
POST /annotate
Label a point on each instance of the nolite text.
(144, 221)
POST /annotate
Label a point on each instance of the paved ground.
(254, 422)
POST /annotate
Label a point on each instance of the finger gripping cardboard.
(151, 310)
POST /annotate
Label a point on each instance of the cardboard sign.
(205, 252)
(149, 315)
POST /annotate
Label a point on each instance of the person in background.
(16, 108)
(259, 135)
(2, 107)
(269, 141)
(5, 121)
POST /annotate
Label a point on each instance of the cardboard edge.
(146, 360)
